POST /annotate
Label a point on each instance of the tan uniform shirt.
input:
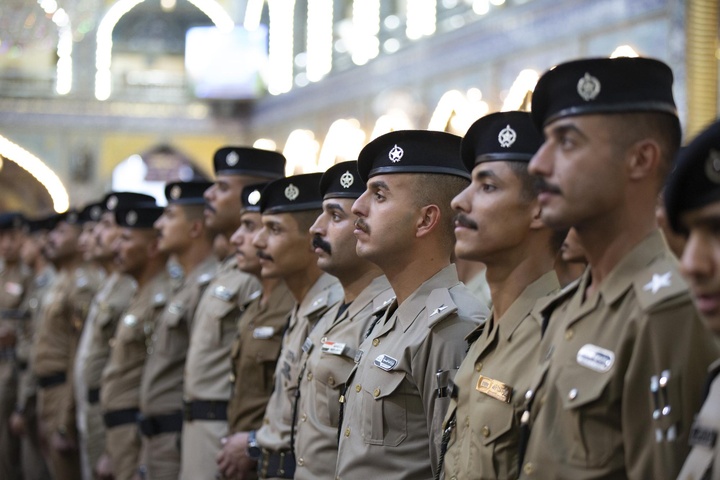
(161, 390)
(109, 303)
(14, 282)
(703, 463)
(327, 366)
(618, 395)
(491, 384)
(132, 339)
(393, 416)
(207, 369)
(275, 432)
(255, 354)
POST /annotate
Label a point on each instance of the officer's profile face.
(582, 173)
(571, 249)
(387, 218)
(62, 241)
(106, 233)
(493, 217)
(242, 242)
(700, 261)
(174, 229)
(132, 248)
(10, 243)
(284, 248)
(86, 240)
(333, 239)
(223, 203)
(32, 248)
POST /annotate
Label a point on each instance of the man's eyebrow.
(378, 184)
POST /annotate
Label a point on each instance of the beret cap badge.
(291, 192)
(232, 158)
(712, 166)
(396, 154)
(112, 202)
(131, 218)
(254, 197)
(507, 137)
(175, 192)
(588, 87)
(347, 179)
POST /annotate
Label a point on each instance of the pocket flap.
(381, 384)
(498, 423)
(579, 386)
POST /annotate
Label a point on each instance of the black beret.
(249, 161)
(12, 221)
(42, 223)
(115, 200)
(92, 212)
(695, 181)
(501, 136)
(139, 216)
(412, 151)
(342, 181)
(292, 194)
(251, 195)
(71, 217)
(186, 193)
(603, 85)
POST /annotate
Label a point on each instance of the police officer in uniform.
(498, 223)
(615, 399)
(62, 315)
(138, 256)
(397, 398)
(692, 199)
(329, 352)
(112, 298)
(289, 206)
(182, 233)
(14, 282)
(257, 345)
(207, 386)
(24, 422)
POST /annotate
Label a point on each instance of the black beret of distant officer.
(91, 212)
(11, 221)
(141, 216)
(116, 200)
(412, 151)
(695, 182)
(40, 224)
(342, 181)
(603, 85)
(501, 136)
(71, 217)
(292, 194)
(251, 195)
(186, 193)
(249, 161)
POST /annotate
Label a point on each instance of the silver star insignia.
(658, 282)
(438, 310)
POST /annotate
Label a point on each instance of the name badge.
(595, 358)
(130, 320)
(263, 333)
(307, 346)
(385, 362)
(358, 356)
(222, 293)
(494, 388)
(333, 348)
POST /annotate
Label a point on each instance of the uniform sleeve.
(443, 349)
(675, 344)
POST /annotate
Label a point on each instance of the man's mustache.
(209, 207)
(318, 242)
(462, 220)
(264, 256)
(541, 185)
(360, 224)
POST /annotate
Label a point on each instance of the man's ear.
(644, 159)
(428, 220)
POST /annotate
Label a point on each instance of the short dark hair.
(306, 218)
(436, 189)
(528, 183)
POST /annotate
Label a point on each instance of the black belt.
(14, 314)
(93, 396)
(276, 464)
(116, 418)
(205, 410)
(52, 380)
(157, 424)
(7, 353)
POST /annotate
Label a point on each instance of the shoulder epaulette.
(439, 304)
(205, 278)
(159, 300)
(383, 301)
(658, 283)
(319, 303)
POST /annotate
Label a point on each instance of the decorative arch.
(103, 55)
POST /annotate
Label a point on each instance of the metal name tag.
(333, 348)
(263, 333)
(494, 388)
(385, 362)
(307, 346)
(595, 358)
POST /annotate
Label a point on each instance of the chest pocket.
(330, 374)
(384, 408)
(255, 358)
(172, 334)
(592, 437)
(219, 315)
(130, 337)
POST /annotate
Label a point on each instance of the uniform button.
(323, 340)
(304, 417)
(569, 334)
(467, 421)
(572, 395)
(231, 378)
(453, 478)
(358, 387)
(300, 462)
(478, 366)
(529, 468)
(266, 421)
(376, 392)
(485, 431)
(309, 376)
(331, 381)
(528, 394)
(376, 342)
(347, 432)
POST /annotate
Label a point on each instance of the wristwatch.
(253, 450)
